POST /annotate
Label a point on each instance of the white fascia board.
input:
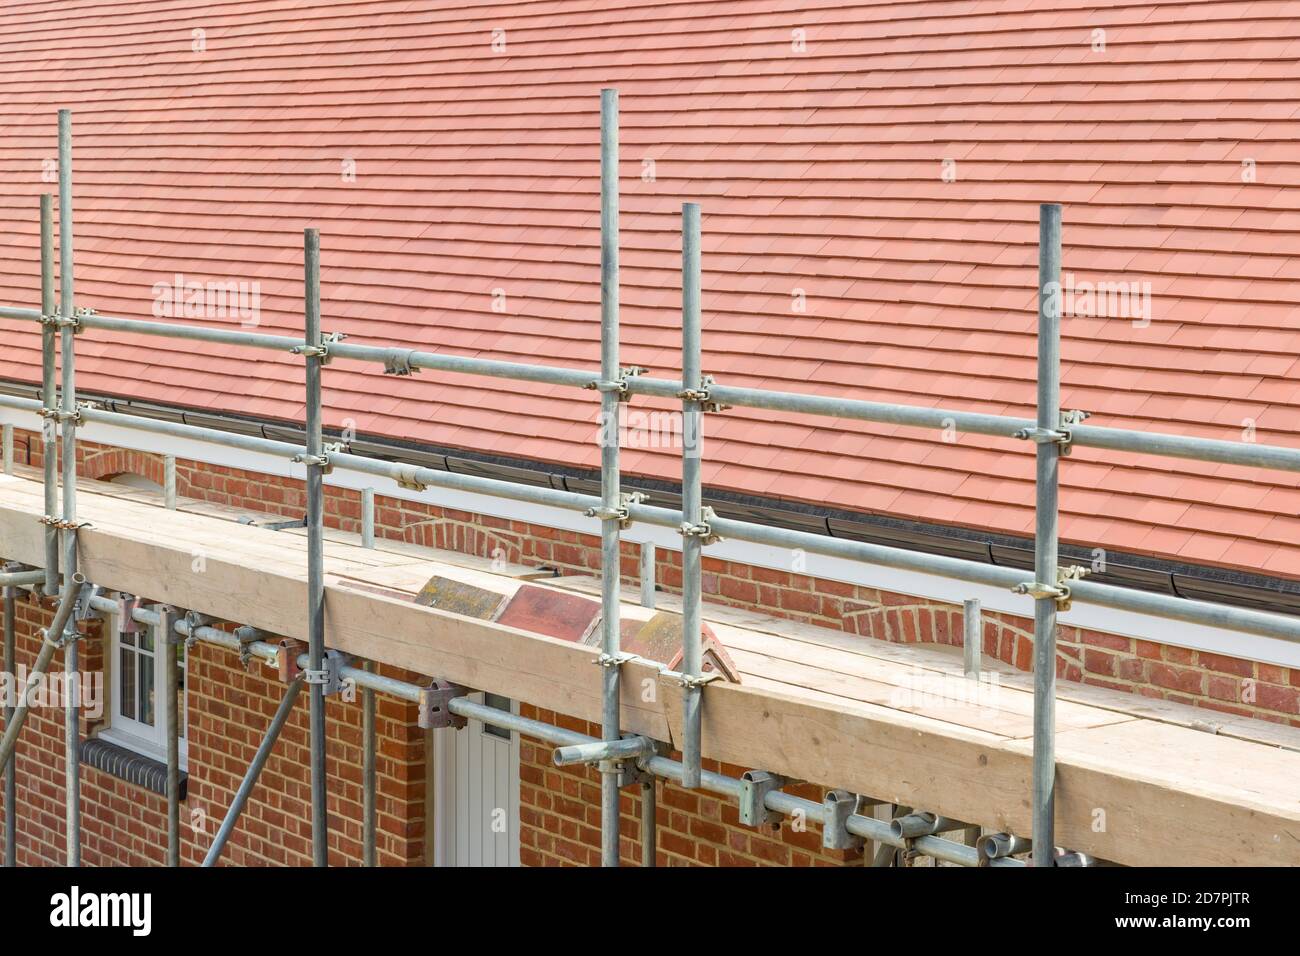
(929, 587)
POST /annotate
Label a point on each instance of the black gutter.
(1180, 579)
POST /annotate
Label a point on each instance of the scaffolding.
(622, 760)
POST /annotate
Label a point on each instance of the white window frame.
(133, 734)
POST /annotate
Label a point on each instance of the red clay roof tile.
(818, 170)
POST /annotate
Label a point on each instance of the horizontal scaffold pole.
(1248, 454)
(730, 787)
(1245, 620)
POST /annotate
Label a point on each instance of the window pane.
(126, 682)
(146, 639)
(500, 703)
(146, 690)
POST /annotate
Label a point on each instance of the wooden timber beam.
(1130, 789)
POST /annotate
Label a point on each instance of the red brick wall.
(229, 709)
(560, 817)
(561, 808)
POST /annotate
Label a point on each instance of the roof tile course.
(870, 206)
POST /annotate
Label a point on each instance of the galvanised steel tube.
(68, 424)
(996, 846)
(649, 822)
(972, 638)
(1046, 511)
(647, 573)
(367, 517)
(175, 330)
(515, 371)
(1184, 446)
(464, 707)
(11, 782)
(254, 771)
(368, 774)
(49, 397)
(21, 579)
(315, 550)
(610, 558)
(50, 644)
(913, 825)
(169, 482)
(165, 643)
(656, 765)
(602, 750)
(1116, 439)
(1282, 627)
(692, 495)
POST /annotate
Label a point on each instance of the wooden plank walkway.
(1138, 782)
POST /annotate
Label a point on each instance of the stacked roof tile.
(869, 172)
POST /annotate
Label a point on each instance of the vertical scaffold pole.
(68, 421)
(648, 554)
(1045, 532)
(167, 644)
(649, 822)
(972, 622)
(169, 482)
(367, 517)
(315, 550)
(692, 496)
(49, 397)
(11, 779)
(8, 441)
(368, 852)
(611, 501)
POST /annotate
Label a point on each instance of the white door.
(476, 809)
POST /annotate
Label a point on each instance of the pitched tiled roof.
(820, 167)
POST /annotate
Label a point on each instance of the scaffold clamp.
(64, 525)
(840, 805)
(193, 621)
(85, 613)
(317, 461)
(703, 529)
(621, 514)
(755, 785)
(1062, 435)
(694, 680)
(286, 658)
(398, 362)
(321, 351)
(330, 676)
(1059, 591)
(405, 476)
(614, 660)
(247, 637)
(434, 704)
(619, 385)
(702, 395)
